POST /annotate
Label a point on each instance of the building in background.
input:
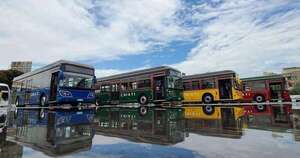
(269, 73)
(23, 66)
(292, 75)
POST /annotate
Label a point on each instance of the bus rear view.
(63, 83)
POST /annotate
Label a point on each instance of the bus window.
(208, 84)
(258, 85)
(114, 87)
(187, 86)
(195, 85)
(105, 88)
(134, 85)
(144, 84)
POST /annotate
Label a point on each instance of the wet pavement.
(115, 132)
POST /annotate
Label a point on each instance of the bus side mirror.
(60, 75)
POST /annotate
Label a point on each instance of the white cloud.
(247, 36)
(44, 31)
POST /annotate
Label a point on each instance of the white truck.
(4, 106)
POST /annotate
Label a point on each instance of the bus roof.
(270, 77)
(208, 74)
(50, 66)
(138, 72)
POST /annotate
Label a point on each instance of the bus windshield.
(174, 82)
(72, 80)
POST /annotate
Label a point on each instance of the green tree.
(7, 76)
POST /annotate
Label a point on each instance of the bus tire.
(259, 98)
(261, 108)
(143, 100)
(207, 98)
(17, 104)
(208, 109)
(143, 110)
(43, 101)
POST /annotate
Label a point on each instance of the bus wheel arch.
(207, 98)
(208, 109)
(143, 99)
(143, 110)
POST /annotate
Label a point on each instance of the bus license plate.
(79, 112)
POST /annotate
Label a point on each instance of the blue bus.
(59, 133)
(62, 83)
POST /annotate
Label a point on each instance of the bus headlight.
(65, 93)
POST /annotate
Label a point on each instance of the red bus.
(265, 88)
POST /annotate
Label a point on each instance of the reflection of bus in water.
(9, 149)
(159, 126)
(60, 132)
(225, 122)
(266, 121)
(212, 87)
(296, 124)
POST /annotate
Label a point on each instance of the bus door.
(225, 88)
(228, 119)
(53, 86)
(159, 87)
(160, 123)
(275, 90)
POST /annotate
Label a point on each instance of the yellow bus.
(224, 122)
(212, 87)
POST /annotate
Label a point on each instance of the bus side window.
(114, 87)
(134, 85)
(195, 85)
(123, 86)
(208, 84)
(258, 85)
(187, 86)
(144, 84)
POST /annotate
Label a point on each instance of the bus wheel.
(42, 113)
(143, 100)
(208, 109)
(143, 110)
(259, 98)
(207, 98)
(261, 108)
(16, 107)
(43, 101)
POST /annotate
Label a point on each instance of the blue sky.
(194, 36)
